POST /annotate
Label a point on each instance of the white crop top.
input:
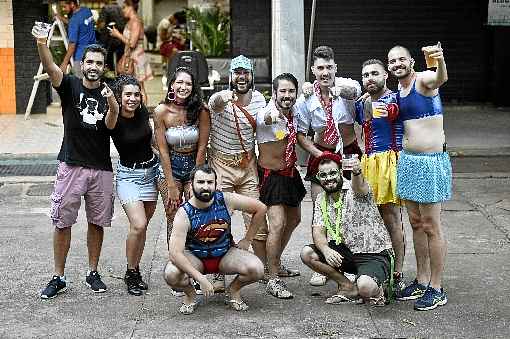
(182, 136)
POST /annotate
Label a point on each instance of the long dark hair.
(118, 86)
(194, 101)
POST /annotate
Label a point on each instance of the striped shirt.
(224, 136)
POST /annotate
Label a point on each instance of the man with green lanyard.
(349, 236)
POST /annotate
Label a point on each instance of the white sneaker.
(351, 277)
(318, 279)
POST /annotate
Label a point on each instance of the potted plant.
(211, 32)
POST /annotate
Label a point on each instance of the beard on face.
(281, 102)
(328, 189)
(91, 75)
(235, 87)
(400, 76)
(203, 195)
(377, 87)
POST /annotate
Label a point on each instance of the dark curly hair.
(194, 102)
(118, 85)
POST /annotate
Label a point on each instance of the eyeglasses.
(325, 175)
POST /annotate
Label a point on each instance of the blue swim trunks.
(424, 177)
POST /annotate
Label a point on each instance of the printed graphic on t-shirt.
(90, 109)
(211, 231)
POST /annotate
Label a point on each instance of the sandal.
(187, 308)
(338, 299)
(285, 272)
(237, 305)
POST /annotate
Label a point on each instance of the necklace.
(336, 232)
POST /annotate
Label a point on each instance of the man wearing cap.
(281, 187)
(326, 107)
(349, 236)
(232, 142)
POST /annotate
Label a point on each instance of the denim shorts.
(136, 184)
(182, 165)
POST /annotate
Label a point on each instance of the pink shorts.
(73, 182)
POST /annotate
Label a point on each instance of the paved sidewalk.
(476, 224)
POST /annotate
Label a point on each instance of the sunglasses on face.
(328, 175)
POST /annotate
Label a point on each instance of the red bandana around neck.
(331, 136)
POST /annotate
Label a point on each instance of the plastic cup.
(431, 62)
(347, 161)
(376, 113)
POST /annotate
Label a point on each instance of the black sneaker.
(141, 284)
(54, 287)
(131, 280)
(93, 280)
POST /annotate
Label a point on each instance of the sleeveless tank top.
(182, 136)
(210, 234)
(417, 106)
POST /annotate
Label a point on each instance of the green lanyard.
(337, 232)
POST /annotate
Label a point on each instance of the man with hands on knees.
(202, 243)
(349, 236)
(85, 168)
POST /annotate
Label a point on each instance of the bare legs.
(392, 220)
(282, 222)
(139, 214)
(429, 242)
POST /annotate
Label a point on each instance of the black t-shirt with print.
(86, 139)
(132, 137)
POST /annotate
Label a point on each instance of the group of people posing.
(201, 159)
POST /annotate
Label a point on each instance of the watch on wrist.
(356, 173)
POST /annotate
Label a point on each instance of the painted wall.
(7, 69)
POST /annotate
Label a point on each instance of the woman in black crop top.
(136, 173)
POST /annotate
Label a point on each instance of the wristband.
(356, 173)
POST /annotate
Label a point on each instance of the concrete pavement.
(476, 223)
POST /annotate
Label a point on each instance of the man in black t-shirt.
(85, 169)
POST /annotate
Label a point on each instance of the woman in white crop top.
(182, 124)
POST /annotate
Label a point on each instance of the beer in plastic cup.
(431, 62)
(376, 113)
(347, 161)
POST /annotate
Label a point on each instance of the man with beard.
(424, 173)
(349, 236)
(201, 242)
(281, 187)
(85, 167)
(232, 142)
(327, 107)
(383, 140)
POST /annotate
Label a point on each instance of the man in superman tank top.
(201, 242)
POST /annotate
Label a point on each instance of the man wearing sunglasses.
(349, 236)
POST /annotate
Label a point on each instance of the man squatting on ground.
(85, 168)
(349, 236)
(424, 173)
(232, 142)
(202, 243)
(383, 140)
(327, 107)
(281, 187)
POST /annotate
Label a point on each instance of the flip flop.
(187, 308)
(338, 299)
(237, 305)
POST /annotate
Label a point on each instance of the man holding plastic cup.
(424, 174)
(377, 115)
(89, 108)
(326, 107)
